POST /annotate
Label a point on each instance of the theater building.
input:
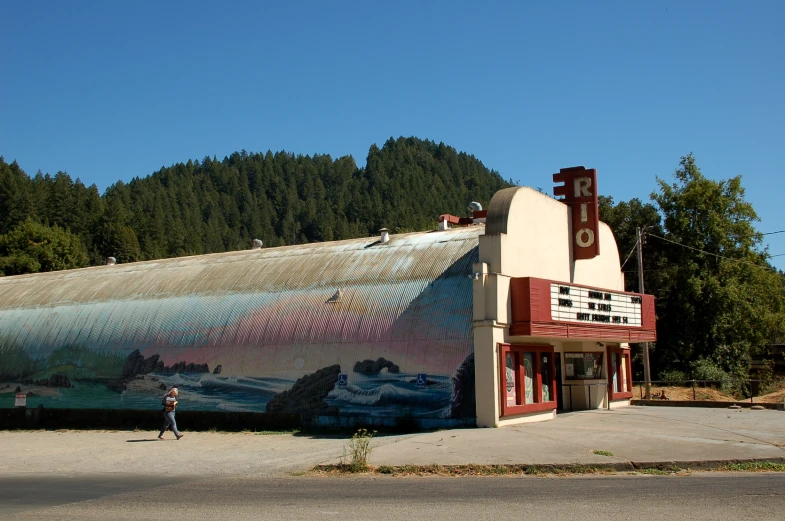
(500, 318)
(552, 323)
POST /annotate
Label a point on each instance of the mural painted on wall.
(262, 351)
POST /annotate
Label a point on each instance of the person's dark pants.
(169, 423)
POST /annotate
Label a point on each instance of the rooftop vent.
(385, 235)
(474, 206)
(111, 261)
(256, 244)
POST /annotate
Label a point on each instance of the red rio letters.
(579, 192)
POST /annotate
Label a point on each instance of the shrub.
(359, 449)
(706, 369)
(765, 377)
(673, 376)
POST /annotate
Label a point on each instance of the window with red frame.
(619, 374)
(528, 379)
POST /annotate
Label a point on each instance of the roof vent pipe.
(256, 244)
(385, 235)
(111, 261)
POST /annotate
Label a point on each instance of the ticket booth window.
(619, 373)
(527, 379)
(583, 366)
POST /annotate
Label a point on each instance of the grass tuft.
(291, 432)
(660, 472)
(752, 466)
(533, 470)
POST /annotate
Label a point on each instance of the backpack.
(169, 403)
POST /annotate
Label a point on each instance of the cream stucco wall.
(603, 271)
(537, 243)
(487, 337)
(534, 244)
(528, 234)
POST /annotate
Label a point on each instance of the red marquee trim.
(531, 315)
(538, 405)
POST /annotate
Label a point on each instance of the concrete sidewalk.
(632, 434)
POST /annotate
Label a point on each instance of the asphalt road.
(28, 492)
(647, 498)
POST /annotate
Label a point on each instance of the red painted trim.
(538, 405)
(622, 357)
(564, 330)
(584, 208)
(456, 220)
(449, 218)
(527, 409)
(531, 315)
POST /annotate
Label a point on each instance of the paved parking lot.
(640, 434)
(631, 434)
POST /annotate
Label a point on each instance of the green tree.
(120, 242)
(31, 247)
(16, 202)
(282, 198)
(719, 299)
(625, 218)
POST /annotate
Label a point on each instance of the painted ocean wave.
(386, 394)
(393, 395)
(226, 383)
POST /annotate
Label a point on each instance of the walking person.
(170, 404)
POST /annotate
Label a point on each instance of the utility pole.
(646, 368)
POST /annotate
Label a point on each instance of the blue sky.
(110, 90)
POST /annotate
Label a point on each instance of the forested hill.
(214, 206)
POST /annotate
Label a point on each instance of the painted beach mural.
(352, 328)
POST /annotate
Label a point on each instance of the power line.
(646, 367)
(772, 233)
(629, 255)
(649, 270)
(713, 254)
(643, 230)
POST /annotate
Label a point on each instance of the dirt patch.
(776, 396)
(706, 394)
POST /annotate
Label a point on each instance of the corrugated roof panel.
(317, 330)
(148, 310)
(353, 309)
(81, 316)
(11, 325)
(15, 295)
(35, 331)
(264, 313)
(112, 333)
(29, 334)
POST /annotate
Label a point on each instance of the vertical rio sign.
(579, 192)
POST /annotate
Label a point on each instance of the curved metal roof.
(262, 313)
